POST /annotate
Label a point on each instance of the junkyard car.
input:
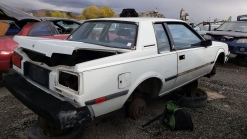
(233, 33)
(107, 63)
(15, 22)
(203, 27)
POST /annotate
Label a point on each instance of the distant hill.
(43, 11)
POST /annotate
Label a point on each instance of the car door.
(193, 58)
(43, 29)
(168, 58)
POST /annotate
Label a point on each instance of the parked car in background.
(203, 27)
(107, 64)
(242, 18)
(15, 22)
(233, 33)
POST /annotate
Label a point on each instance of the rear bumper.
(60, 113)
(4, 66)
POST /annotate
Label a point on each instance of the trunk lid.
(50, 46)
(9, 13)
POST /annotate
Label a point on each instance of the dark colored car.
(233, 33)
(15, 22)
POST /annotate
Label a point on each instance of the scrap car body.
(105, 62)
(233, 33)
(11, 20)
(15, 22)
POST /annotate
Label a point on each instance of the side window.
(41, 29)
(182, 36)
(197, 28)
(68, 24)
(161, 37)
(12, 30)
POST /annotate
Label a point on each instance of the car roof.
(14, 14)
(138, 19)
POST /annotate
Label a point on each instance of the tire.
(35, 132)
(1, 80)
(200, 99)
(137, 108)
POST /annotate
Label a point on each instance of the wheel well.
(150, 86)
(221, 58)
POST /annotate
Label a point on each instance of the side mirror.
(215, 29)
(206, 43)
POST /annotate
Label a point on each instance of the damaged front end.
(77, 56)
(47, 82)
(58, 112)
(62, 64)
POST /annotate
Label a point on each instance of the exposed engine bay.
(78, 56)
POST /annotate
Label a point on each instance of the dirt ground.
(224, 117)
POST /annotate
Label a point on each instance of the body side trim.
(188, 71)
(109, 97)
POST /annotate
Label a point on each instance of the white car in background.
(97, 71)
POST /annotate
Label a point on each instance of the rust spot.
(244, 76)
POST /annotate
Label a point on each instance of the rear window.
(15, 27)
(110, 34)
(13, 30)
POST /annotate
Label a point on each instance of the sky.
(198, 10)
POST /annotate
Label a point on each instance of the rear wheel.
(137, 108)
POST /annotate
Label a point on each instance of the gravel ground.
(221, 118)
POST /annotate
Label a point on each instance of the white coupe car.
(106, 63)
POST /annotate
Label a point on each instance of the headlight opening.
(69, 80)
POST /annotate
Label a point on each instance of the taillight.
(99, 100)
(16, 60)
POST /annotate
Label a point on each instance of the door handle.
(181, 57)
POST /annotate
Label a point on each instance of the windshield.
(67, 24)
(206, 27)
(111, 34)
(234, 26)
